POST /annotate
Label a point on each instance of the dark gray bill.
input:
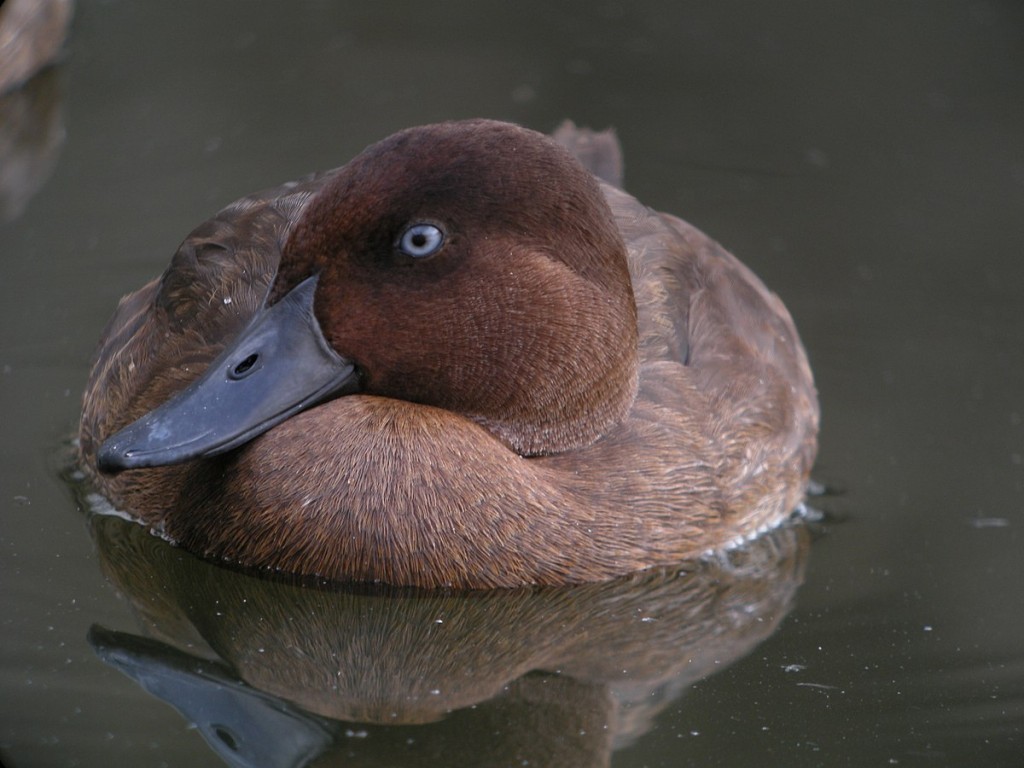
(279, 365)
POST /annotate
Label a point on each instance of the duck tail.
(598, 151)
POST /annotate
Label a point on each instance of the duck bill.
(279, 365)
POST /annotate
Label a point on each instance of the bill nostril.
(245, 367)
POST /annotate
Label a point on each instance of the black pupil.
(419, 239)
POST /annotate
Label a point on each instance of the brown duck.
(459, 360)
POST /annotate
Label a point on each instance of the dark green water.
(867, 159)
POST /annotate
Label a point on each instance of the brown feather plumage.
(682, 415)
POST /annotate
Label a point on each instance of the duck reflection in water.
(277, 673)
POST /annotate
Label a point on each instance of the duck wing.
(163, 336)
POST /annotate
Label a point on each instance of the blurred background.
(866, 159)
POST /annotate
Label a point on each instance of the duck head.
(471, 266)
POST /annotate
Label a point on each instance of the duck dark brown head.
(475, 266)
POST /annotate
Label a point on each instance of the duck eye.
(421, 240)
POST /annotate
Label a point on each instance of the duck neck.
(571, 424)
(581, 384)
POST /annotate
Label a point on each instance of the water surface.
(865, 159)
